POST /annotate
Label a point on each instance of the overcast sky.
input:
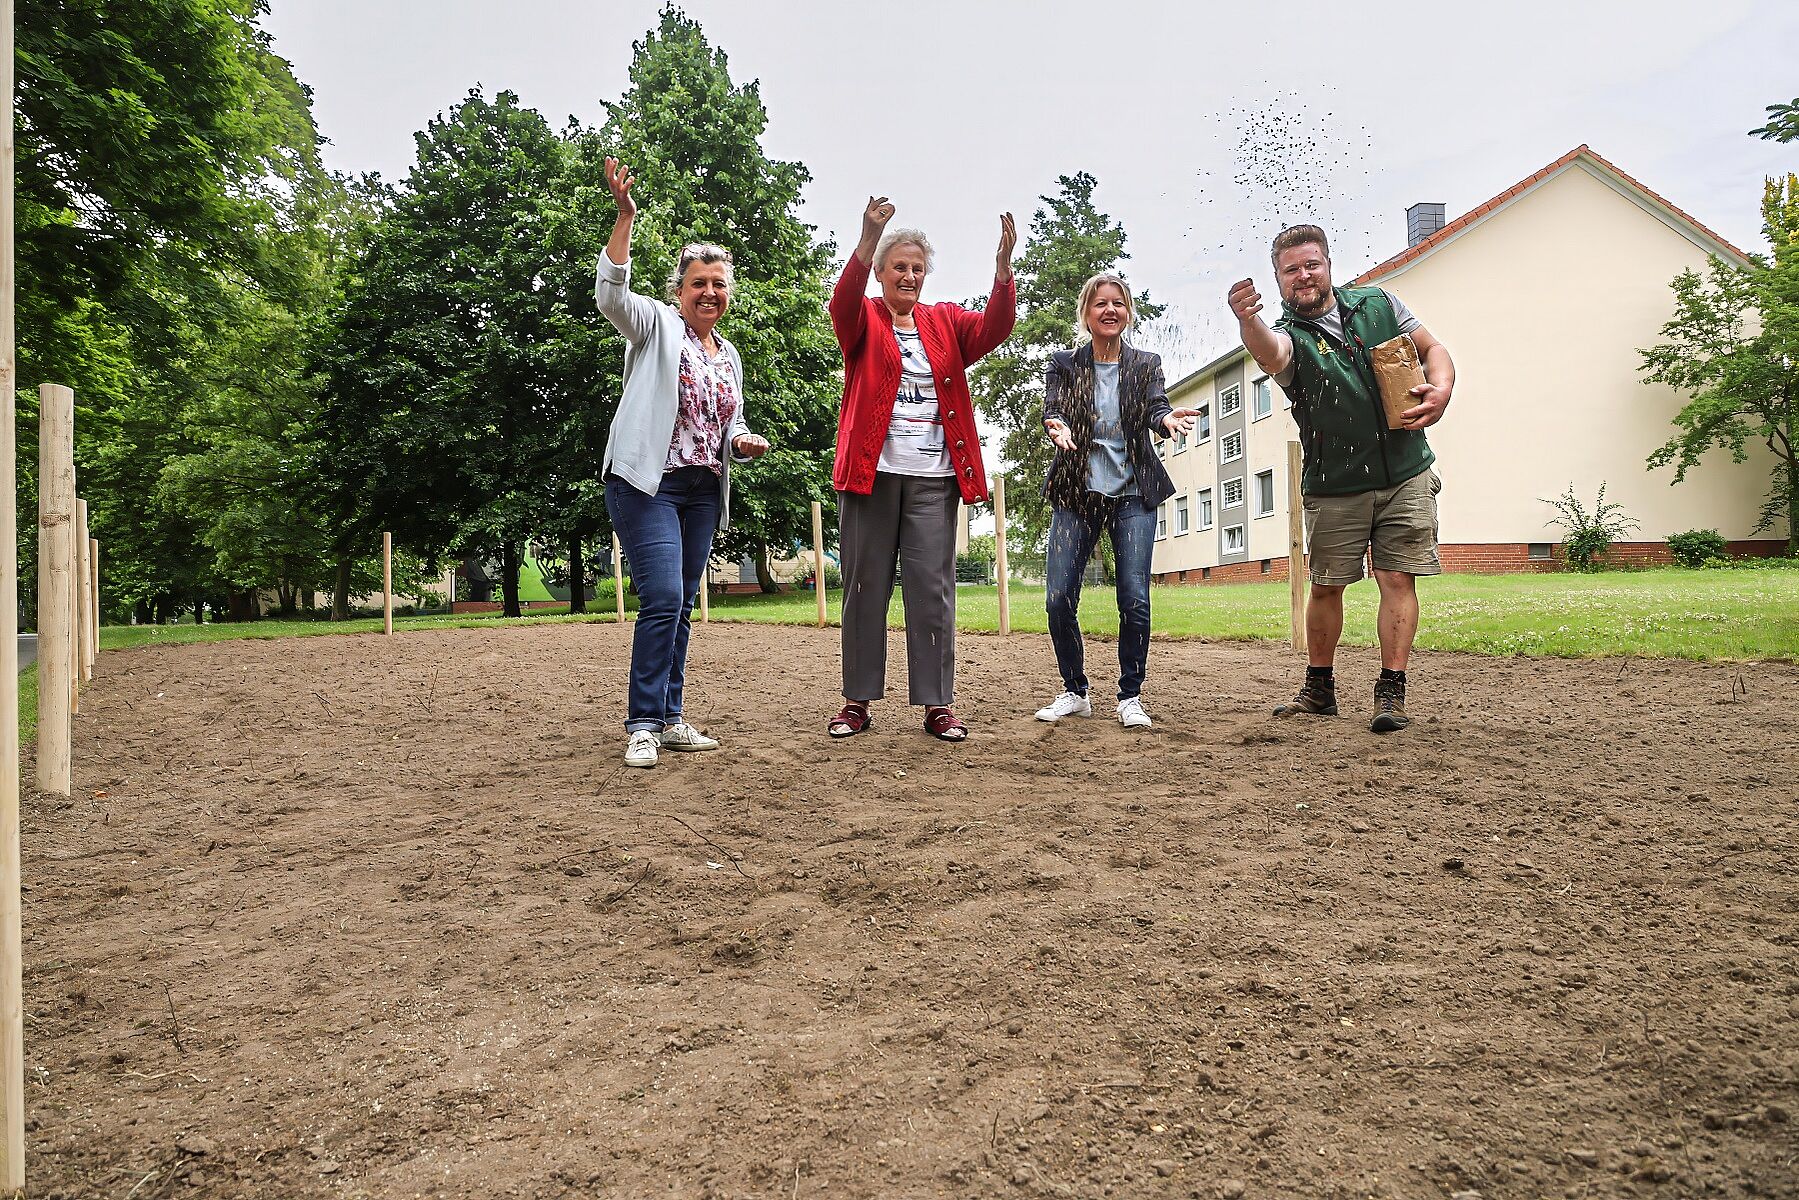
(1208, 127)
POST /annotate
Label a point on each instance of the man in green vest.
(1369, 490)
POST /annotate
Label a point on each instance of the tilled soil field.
(366, 917)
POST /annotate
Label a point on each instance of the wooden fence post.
(93, 569)
(84, 625)
(12, 991)
(56, 515)
(818, 559)
(618, 577)
(999, 554)
(1296, 550)
(706, 593)
(387, 583)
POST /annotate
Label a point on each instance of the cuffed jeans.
(668, 540)
(1072, 537)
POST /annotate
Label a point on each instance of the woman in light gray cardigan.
(668, 462)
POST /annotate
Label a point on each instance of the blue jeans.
(1072, 537)
(668, 540)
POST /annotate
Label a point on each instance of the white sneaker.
(1066, 705)
(1131, 714)
(640, 751)
(682, 736)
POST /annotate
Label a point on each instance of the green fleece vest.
(1342, 427)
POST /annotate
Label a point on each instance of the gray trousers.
(911, 521)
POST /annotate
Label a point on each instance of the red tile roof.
(1468, 218)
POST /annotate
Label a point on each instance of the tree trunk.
(340, 592)
(142, 613)
(509, 568)
(309, 599)
(199, 609)
(287, 594)
(765, 574)
(577, 575)
(165, 609)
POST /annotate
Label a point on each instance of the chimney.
(1422, 220)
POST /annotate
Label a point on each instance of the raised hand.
(1059, 434)
(619, 178)
(748, 445)
(1181, 420)
(1008, 241)
(874, 223)
(1245, 301)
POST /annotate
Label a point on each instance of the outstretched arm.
(980, 333)
(1271, 348)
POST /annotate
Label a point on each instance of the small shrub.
(1695, 546)
(1589, 533)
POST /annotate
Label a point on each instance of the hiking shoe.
(1389, 707)
(1131, 714)
(1315, 698)
(682, 736)
(1068, 704)
(640, 751)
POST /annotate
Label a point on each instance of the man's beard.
(1316, 308)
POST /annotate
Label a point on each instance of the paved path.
(27, 650)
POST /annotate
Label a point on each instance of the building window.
(1233, 493)
(1233, 539)
(1231, 448)
(1263, 404)
(1230, 401)
(1538, 551)
(1203, 431)
(1205, 573)
(1161, 522)
(1180, 442)
(1180, 515)
(1265, 493)
(1267, 566)
(1205, 508)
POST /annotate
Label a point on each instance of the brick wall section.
(1482, 558)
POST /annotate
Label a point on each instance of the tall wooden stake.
(12, 991)
(93, 571)
(1296, 549)
(706, 593)
(818, 558)
(999, 553)
(84, 625)
(55, 557)
(387, 583)
(618, 577)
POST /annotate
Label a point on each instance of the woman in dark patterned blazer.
(1101, 402)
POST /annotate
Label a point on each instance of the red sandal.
(854, 719)
(943, 724)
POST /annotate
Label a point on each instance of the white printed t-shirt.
(915, 444)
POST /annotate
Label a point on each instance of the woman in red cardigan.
(907, 453)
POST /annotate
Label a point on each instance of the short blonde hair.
(1093, 285)
(905, 237)
(701, 252)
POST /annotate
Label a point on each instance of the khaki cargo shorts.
(1398, 524)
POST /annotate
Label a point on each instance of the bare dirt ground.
(365, 917)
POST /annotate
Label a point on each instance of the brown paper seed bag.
(1397, 371)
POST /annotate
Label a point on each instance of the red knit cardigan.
(953, 338)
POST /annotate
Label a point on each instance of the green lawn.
(1722, 614)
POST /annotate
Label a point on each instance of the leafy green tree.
(1070, 241)
(159, 143)
(445, 344)
(1783, 123)
(1733, 345)
(694, 138)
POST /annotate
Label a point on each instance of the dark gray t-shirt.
(1332, 323)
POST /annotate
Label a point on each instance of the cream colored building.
(1543, 295)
